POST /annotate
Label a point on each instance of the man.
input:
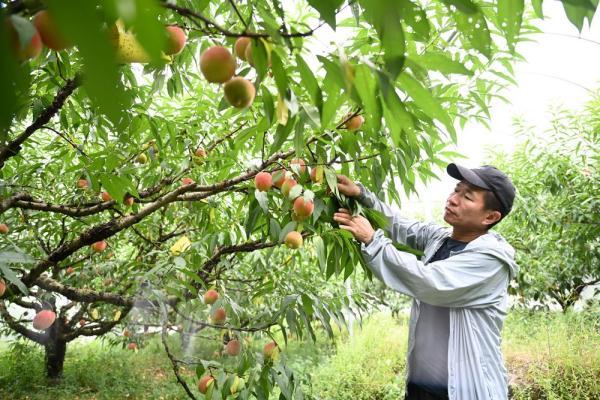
(459, 287)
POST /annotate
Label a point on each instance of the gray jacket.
(472, 282)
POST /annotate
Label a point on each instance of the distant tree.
(555, 224)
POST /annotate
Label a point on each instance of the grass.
(549, 356)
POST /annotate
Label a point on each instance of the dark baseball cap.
(487, 177)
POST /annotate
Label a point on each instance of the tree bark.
(55, 348)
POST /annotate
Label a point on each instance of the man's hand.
(359, 226)
(347, 187)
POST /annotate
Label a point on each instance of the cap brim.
(462, 173)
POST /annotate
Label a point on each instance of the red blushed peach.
(263, 181)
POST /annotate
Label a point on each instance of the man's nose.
(452, 199)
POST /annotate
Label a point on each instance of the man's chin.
(449, 218)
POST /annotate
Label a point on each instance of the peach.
(217, 64)
(355, 123)
(219, 316)
(240, 47)
(293, 240)
(270, 350)
(288, 184)
(33, 48)
(211, 296)
(303, 208)
(300, 162)
(44, 319)
(263, 181)
(204, 383)
(99, 246)
(4, 229)
(50, 32)
(2, 287)
(106, 196)
(176, 40)
(233, 347)
(239, 92)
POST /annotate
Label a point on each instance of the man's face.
(465, 208)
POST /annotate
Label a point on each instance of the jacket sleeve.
(471, 278)
(401, 229)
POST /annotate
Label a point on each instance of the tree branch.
(13, 148)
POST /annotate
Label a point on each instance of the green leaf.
(327, 9)
(148, 30)
(279, 74)
(81, 22)
(475, 31)
(579, 10)
(14, 82)
(263, 200)
(10, 275)
(464, 6)
(437, 61)
(366, 86)
(385, 15)
(321, 252)
(310, 83)
(268, 105)
(510, 17)
(537, 7)
(425, 100)
(282, 134)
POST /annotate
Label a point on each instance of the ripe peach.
(317, 174)
(240, 47)
(128, 200)
(250, 58)
(211, 296)
(239, 92)
(99, 246)
(32, 50)
(270, 350)
(219, 316)
(4, 229)
(132, 346)
(2, 287)
(293, 240)
(204, 383)
(300, 162)
(280, 176)
(82, 184)
(303, 208)
(217, 64)
(355, 122)
(106, 196)
(176, 40)
(50, 32)
(187, 181)
(233, 347)
(288, 184)
(44, 319)
(263, 181)
(70, 270)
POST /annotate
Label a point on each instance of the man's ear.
(491, 217)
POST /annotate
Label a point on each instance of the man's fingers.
(348, 228)
(343, 210)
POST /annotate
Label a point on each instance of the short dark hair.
(491, 202)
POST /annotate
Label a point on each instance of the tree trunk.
(56, 349)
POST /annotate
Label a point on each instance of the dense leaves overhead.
(127, 179)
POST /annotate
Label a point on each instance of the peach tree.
(132, 135)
